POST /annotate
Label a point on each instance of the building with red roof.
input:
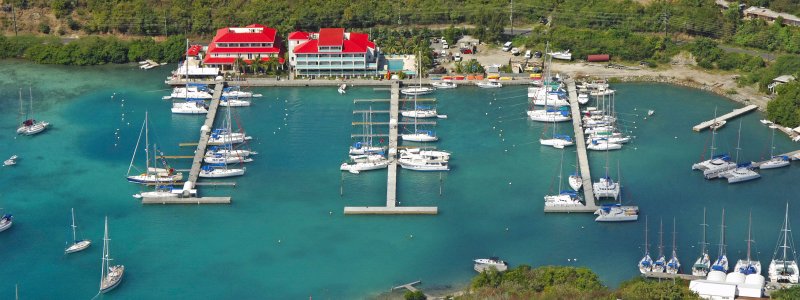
(332, 52)
(250, 42)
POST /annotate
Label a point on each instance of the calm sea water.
(285, 237)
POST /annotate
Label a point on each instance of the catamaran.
(191, 107)
(674, 265)
(151, 174)
(77, 245)
(660, 266)
(646, 263)
(748, 266)
(30, 126)
(191, 91)
(774, 161)
(784, 270)
(563, 198)
(703, 263)
(721, 264)
(742, 172)
(110, 276)
(717, 163)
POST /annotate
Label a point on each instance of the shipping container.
(597, 57)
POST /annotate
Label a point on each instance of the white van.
(527, 54)
(507, 46)
(444, 45)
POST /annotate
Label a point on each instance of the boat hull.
(222, 173)
(112, 281)
(33, 129)
(78, 246)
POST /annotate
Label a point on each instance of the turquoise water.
(285, 237)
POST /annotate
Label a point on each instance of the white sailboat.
(10, 161)
(563, 198)
(748, 266)
(419, 135)
(224, 136)
(6, 221)
(743, 172)
(191, 91)
(562, 55)
(151, 174)
(220, 171)
(424, 154)
(558, 141)
(366, 145)
(77, 245)
(702, 265)
(774, 161)
(721, 264)
(110, 276)
(30, 126)
(190, 107)
(575, 180)
(423, 164)
(646, 263)
(660, 266)
(606, 187)
(227, 149)
(784, 270)
(602, 144)
(236, 91)
(674, 265)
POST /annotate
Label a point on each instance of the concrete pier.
(190, 200)
(391, 207)
(664, 275)
(583, 159)
(735, 113)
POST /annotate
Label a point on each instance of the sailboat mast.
(20, 106)
(646, 243)
(749, 239)
(722, 235)
(713, 135)
(74, 236)
(703, 244)
(30, 109)
(146, 143)
(560, 170)
(772, 147)
(738, 142)
(785, 233)
(104, 259)
(661, 239)
(674, 235)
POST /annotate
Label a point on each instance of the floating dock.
(665, 275)
(391, 207)
(583, 159)
(197, 161)
(735, 113)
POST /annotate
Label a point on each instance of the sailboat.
(575, 180)
(616, 212)
(419, 135)
(558, 141)
(774, 161)
(717, 164)
(605, 186)
(218, 166)
(419, 89)
(151, 174)
(742, 172)
(673, 266)
(77, 245)
(366, 145)
(30, 126)
(10, 161)
(660, 265)
(110, 276)
(6, 221)
(721, 264)
(784, 270)
(646, 263)
(748, 266)
(564, 197)
(703, 264)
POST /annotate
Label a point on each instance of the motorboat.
(342, 88)
(236, 92)
(602, 92)
(190, 92)
(717, 124)
(424, 154)
(417, 90)
(233, 102)
(422, 164)
(483, 264)
(583, 98)
(10, 161)
(606, 187)
(444, 84)
(562, 55)
(616, 213)
(6, 221)
(220, 171)
(420, 136)
(488, 84)
(190, 107)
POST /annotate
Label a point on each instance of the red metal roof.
(225, 35)
(357, 43)
(194, 50)
(331, 36)
(244, 50)
(299, 35)
(231, 60)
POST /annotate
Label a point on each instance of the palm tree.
(257, 64)
(239, 64)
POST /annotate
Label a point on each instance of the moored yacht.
(606, 187)
(425, 154)
(420, 111)
(702, 265)
(417, 90)
(483, 264)
(190, 92)
(721, 264)
(646, 263)
(189, 107)
(748, 266)
(422, 164)
(365, 165)
(660, 266)
(550, 115)
(782, 269)
(444, 84)
(674, 265)
(6, 221)
(220, 171)
(226, 159)
(420, 136)
(774, 161)
(489, 84)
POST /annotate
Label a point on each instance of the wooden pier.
(735, 113)
(583, 159)
(391, 207)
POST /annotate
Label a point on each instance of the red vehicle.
(466, 51)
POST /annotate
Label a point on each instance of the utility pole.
(166, 33)
(14, 14)
(511, 17)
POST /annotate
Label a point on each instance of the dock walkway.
(583, 159)
(663, 275)
(391, 207)
(735, 113)
(197, 161)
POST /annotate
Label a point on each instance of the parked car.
(537, 54)
(528, 54)
(507, 46)
(444, 45)
(514, 51)
(457, 57)
(466, 51)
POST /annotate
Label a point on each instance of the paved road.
(763, 54)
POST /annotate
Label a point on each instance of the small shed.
(708, 289)
(780, 80)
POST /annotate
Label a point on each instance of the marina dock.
(664, 275)
(197, 161)
(735, 113)
(583, 159)
(391, 207)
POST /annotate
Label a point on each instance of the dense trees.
(554, 282)
(91, 50)
(785, 109)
